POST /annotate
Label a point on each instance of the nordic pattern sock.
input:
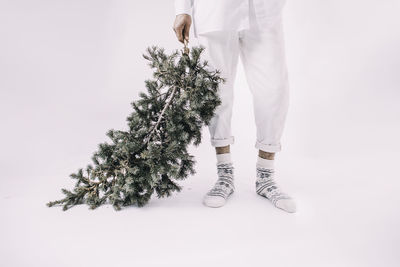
(267, 187)
(224, 186)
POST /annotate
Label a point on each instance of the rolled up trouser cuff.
(217, 142)
(268, 147)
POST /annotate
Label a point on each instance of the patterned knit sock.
(224, 186)
(266, 186)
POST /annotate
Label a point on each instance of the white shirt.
(217, 15)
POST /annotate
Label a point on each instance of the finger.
(178, 32)
(186, 32)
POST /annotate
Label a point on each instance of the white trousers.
(262, 53)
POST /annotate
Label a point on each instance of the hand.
(182, 26)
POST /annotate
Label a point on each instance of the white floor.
(347, 215)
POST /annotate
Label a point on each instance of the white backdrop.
(68, 72)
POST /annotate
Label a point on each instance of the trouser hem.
(217, 142)
(268, 147)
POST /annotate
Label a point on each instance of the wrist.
(183, 14)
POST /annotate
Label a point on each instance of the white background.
(68, 72)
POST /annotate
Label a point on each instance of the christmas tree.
(151, 157)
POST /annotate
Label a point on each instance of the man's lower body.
(262, 53)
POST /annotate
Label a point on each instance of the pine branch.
(136, 165)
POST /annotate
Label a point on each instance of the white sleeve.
(183, 7)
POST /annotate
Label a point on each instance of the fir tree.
(151, 157)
